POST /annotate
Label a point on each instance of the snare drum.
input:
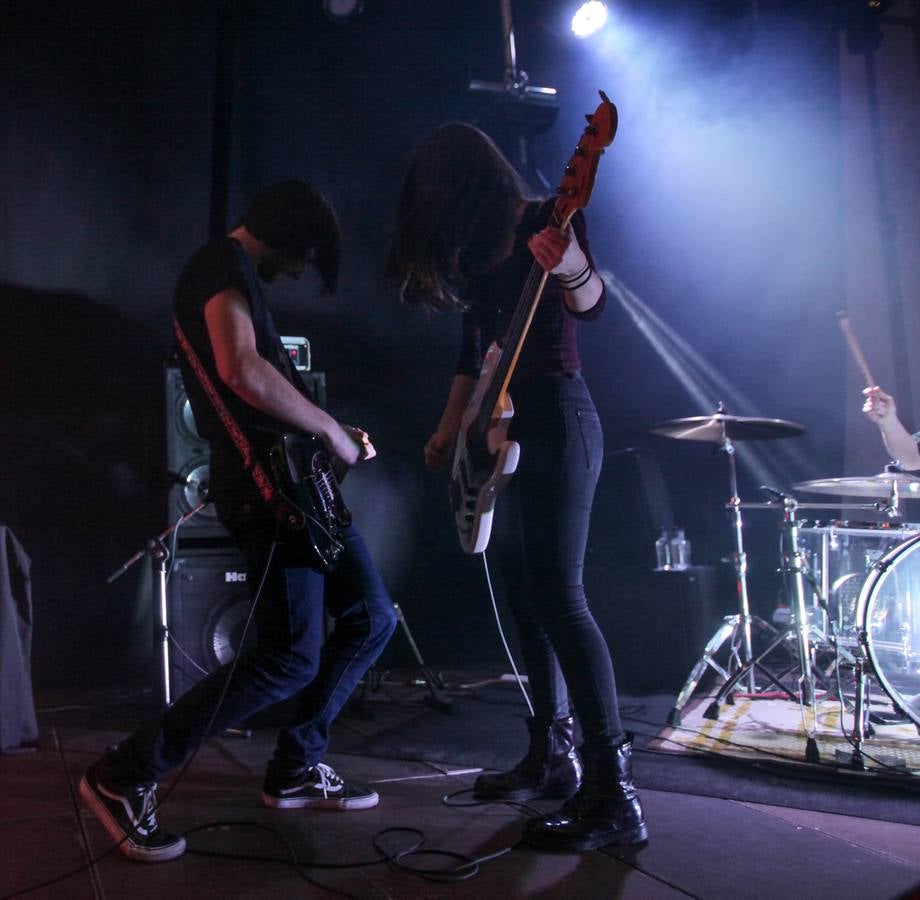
(840, 555)
(888, 617)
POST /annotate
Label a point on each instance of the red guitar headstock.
(575, 190)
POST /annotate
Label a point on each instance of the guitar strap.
(250, 464)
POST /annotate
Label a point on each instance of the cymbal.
(880, 486)
(717, 427)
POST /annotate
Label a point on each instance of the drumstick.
(853, 344)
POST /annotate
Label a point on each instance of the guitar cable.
(501, 634)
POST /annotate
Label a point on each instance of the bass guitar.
(484, 459)
(306, 479)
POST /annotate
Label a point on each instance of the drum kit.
(853, 593)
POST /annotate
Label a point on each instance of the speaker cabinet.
(208, 603)
(188, 456)
(188, 462)
(656, 623)
(631, 507)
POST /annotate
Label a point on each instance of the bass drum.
(888, 616)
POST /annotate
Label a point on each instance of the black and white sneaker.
(318, 787)
(128, 813)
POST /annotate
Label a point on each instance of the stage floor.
(700, 846)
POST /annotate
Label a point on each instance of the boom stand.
(159, 555)
(735, 629)
(433, 681)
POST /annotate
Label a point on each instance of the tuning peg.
(579, 151)
(589, 117)
(570, 170)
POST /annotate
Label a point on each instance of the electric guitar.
(306, 479)
(484, 460)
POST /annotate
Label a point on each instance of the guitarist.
(220, 306)
(466, 236)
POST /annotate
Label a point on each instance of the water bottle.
(679, 550)
(663, 551)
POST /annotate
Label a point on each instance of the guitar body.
(484, 458)
(483, 463)
(309, 498)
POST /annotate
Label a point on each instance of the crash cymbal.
(717, 427)
(880, 486)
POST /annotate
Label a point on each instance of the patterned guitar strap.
(272, 497)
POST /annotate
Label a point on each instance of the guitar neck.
(513, 341)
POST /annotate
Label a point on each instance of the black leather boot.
(551, 767)
(605, 811)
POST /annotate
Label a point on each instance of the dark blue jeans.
(565, 653)
(292, 654)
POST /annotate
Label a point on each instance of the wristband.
(576, 281)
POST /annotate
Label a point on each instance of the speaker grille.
(188, 457)
(208, 605)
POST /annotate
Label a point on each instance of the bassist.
(467, 233)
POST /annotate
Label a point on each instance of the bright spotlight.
(589, 18)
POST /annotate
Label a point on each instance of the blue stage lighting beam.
(703, 383)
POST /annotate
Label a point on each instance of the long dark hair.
(456, 206)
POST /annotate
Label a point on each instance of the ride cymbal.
(717, 427)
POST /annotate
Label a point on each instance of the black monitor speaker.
(208, 604)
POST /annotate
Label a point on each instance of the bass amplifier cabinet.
(188, 454)
(188, 464)
(655, 623)
(208, 603)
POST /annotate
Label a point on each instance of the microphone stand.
(158, 553)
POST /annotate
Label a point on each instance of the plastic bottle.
(680, 550)
(663, 551)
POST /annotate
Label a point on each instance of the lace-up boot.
(606, 810)
(550, 769)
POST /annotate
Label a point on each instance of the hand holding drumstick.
(900, 443)
(881, 409)
(879, 406)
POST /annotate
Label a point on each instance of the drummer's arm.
(899, 442)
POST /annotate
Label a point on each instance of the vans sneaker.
(318, 787)
(128, 814)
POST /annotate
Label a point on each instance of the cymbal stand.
(794, 565)
(735, 629)
(739, 557)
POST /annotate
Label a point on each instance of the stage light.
(589, 18)
(342, 11)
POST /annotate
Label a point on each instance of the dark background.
(718, 210)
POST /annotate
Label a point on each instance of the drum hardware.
(801, 633)
(721, 429)
(891, 486)
(887, 647)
